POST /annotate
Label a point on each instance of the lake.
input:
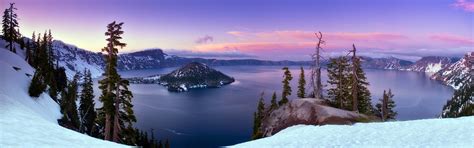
(223, 116)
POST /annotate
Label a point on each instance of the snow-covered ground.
(32, 122)
(453, 132)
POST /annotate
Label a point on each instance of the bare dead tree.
(354, 79)
(316, 68)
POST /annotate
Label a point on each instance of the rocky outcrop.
(307, 111)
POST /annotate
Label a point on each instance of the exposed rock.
(308, 111)
(457, 74)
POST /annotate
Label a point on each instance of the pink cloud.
(297, 43)
(307, 35)
(452, 39)
(236, 33)
(465, 5)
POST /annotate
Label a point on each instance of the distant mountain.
(384, 63)
(431, 64)
(75, 59)
(457, 74)
(192, 75)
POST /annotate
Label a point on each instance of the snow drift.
(453, 132)
(32, 122)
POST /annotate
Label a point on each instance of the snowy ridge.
(454, 132)
(32, 122)
(431, 64)
(75, 59)
(457, 74)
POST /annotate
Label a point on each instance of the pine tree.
(274, 104)
(338, 80)
(37, 85)
(258, 118)
(301, 85)
(116, 98)
(68, 106)
(86, 107)
(462, 102)
(31, 48)
(61, 78)
(361, 101)
(10, 27)
(286, 86)
(385, 107)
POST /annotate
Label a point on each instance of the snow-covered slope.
(454, 132)
(458, 73)
(32, 122)
(431, 64)
(75, 59)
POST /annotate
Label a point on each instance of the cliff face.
(307, 111)
(457, 74)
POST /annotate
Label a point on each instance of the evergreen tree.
(338, 79)
(68, 106)
(115, 98)
(274, 104)
(359, 84)
(385, 107)
(86, 107)
(286, 86)
(9, 27)
(31, 48)
(301, 85)
(258, 118)
(37, 85)
(462, 102)
(61, 79)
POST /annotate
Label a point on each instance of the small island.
(190, 76)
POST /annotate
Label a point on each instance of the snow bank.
(454, 132)
(32, 122)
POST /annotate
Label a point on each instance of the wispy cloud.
(292, 43)
(307, 35)
(205, 39)
(465, 5)
(453, 39)
(228, 54)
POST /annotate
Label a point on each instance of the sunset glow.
(253, 28)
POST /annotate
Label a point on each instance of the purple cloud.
(205, 39)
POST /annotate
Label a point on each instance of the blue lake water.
(223, 116)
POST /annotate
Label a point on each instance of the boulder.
(309, 111)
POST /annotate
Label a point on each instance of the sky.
(263, 29)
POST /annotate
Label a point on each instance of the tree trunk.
(317, 86)
(116, 130)
(109, 91)
(354, 82)
(107, 127)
